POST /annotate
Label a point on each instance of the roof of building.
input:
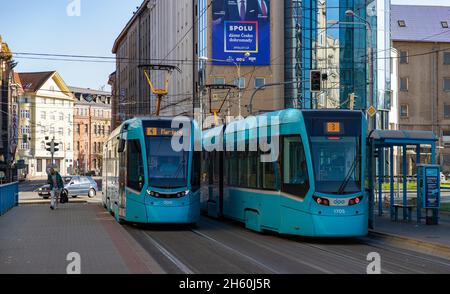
(88, 91)
(420, 23)
(17, 81)
(86, 96)
(33, 81)
(128, 25)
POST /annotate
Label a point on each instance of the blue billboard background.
(239, 28)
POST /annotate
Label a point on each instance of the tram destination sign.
(154, 132)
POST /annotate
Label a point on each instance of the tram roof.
(401, 137)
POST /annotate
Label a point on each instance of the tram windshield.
(167, 168)
(337, 164)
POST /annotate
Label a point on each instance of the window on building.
(52, 116)
(404, 57)
(447, 84)
(446, 110)
(25, 145)
(42, 130)
(78, 146)
(219, 81)
(403, 110)
(86, 128)
(69, 132)
(39, 165)
(404, 84)
(240, 83)
(24, 113)
(259, 82)
(78, 128)
(61, 116)
(95, 129)
(446, 58)
(43, 115)
(43, 147)
(444, 24)
(52, 130)
(61, 131)
(26, 130)
(401, 23)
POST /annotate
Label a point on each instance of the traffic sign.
(371, 111)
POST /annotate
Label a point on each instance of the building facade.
(46, 112)
(8, 115)
(160, 32)
(304, 36)
(422, 44)
(92, 126)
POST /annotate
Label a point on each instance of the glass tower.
(319, 35)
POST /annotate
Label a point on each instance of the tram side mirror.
(121, 147)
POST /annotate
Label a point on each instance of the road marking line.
(181, 266)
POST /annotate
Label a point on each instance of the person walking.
(56, 185)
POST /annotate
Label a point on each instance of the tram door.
(215, 184)
(122, 179)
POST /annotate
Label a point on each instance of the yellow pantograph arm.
(149, 81)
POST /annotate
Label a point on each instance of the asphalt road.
(226, 247)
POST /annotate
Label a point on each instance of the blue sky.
(43, 26)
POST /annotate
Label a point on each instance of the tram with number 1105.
(145, 180)
(314, 186)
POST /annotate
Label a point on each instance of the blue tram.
(145, 180)
(312, 186)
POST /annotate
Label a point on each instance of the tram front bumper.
(166, 212)
(340, 226)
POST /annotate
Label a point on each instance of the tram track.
(227, 247)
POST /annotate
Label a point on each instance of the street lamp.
(238, 66)
(351, 13)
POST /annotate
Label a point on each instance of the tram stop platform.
(37, 240)
(433, 239)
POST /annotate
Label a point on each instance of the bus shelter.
(381, 143)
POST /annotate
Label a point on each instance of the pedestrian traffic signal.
(316, 81)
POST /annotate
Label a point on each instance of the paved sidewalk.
(36, 240)
(434, 239)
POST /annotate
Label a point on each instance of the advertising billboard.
(238, 27)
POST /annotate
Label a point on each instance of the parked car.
(44, 191)
(75, 186)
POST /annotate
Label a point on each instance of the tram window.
(135, 166)
(243, 169)
(295, 172)
(252, 170)
(196, 170)
(233, 170)
(267, 176)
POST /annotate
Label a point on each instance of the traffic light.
(52, 147)
(316, 81)
(49, 146)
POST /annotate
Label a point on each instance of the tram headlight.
(321, 201)
(151, 193)
(355, 201)
(182, 194)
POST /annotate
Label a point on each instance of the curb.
(31, 202)
(437, 249)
